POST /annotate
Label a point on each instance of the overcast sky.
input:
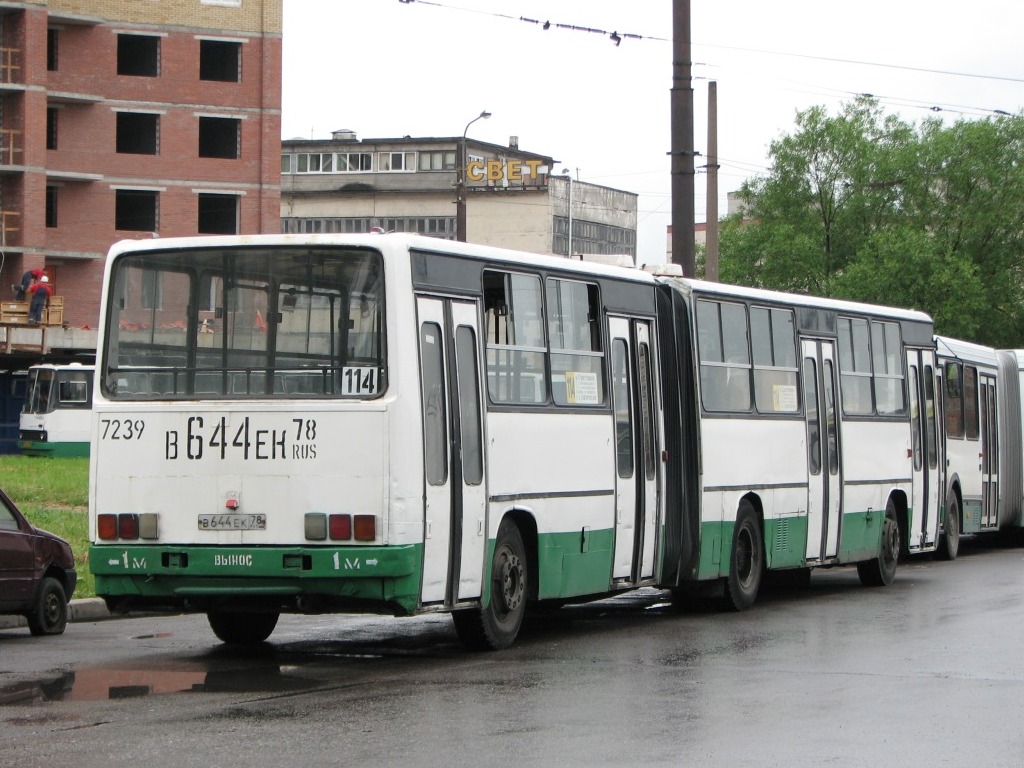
(387, 68)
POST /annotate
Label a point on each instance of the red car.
(37, 572)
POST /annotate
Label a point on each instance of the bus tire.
(242, 627)
(49, 615)
(881, 570)
(495, 626)
(746, 561)
(949, 541)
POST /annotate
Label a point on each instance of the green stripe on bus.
(786, 542)
(575, 563)
(38, 448)
(390, 574)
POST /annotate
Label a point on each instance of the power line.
(618, 37)
(866, 63)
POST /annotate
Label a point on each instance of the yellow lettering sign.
(496, 170)
(475, 171)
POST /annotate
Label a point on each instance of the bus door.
(636, 440)
(989, 458)
(455, 531)
(824, 449)
(925, 448)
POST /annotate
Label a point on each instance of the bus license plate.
(232, 522)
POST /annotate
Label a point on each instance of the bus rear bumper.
(288, 579)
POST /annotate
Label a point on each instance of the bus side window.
(854, 366)
(773, 343)
(577, 362)
(516, 350)
(971, 419)
(887, 369)
(954, 400)
(724, 356)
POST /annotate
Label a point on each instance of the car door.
(16, 556)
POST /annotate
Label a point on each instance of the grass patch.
(53, 493)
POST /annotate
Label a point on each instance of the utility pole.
(683, 245)
(460, 181)
(711, 226)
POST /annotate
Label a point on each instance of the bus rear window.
(246, 323)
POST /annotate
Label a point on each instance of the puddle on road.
(102, 684)
(288, 667)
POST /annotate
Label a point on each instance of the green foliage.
(54, 495)
(868, 207)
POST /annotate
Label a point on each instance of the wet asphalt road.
(928, 672)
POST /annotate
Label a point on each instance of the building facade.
(132, 119)
(512, 200)
(125, 119)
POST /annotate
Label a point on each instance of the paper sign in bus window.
(581, 388)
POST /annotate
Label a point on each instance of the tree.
(868, 207)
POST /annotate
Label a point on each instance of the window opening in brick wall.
(138, 55)
(219, 137)
(136, 210)
(52, 116)
(218, 214)
(138, 133)
(52, 36)
(51, 205)
(220, 60)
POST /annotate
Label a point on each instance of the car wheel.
(49, 615)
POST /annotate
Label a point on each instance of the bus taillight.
(366, 527)
(107, 526)
(340, 527)
(127, 526)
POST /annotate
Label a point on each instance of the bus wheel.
(949, 541)
(242, 628)
(496, 625)
(746, 564)
(880, 571)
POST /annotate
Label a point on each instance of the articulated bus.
(392, 423)
(56, 419)
(981, 400)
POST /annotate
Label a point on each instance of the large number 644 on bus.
(405, 425)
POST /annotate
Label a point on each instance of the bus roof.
(689, 285)
(392, 241)
(964, 350)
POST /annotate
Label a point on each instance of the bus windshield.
(40, 386)
(246, 322)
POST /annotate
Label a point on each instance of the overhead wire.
(617, 37)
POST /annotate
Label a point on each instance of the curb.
(87, 609)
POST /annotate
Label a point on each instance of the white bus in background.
(817, 442)
(310, 423)
(56, 419)
(981, 397)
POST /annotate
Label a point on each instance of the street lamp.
(460, 191)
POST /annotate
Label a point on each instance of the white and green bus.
(805, 434)
(984, 440)
(315, 423)
(56, 418)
